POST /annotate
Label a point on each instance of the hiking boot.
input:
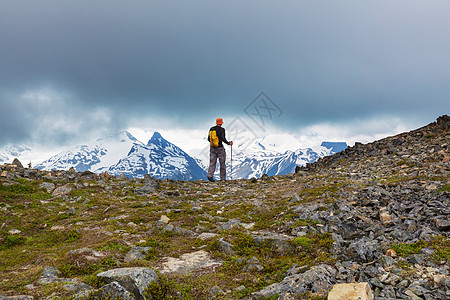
(211, 179)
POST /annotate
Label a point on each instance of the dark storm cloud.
(321, 61)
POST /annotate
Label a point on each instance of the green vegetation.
(445, 188)
(75, 266)
(409, 249)
(11, 241)
(440, 245)
(162, 289)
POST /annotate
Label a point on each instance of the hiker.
(216, 138)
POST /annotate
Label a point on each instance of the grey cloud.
(319, 62)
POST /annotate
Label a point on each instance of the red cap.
(219, 121)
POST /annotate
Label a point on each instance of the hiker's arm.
(223, 137)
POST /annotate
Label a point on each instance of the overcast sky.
(72, 69)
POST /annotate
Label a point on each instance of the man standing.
(216, 138)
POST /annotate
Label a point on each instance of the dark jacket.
(220, 132)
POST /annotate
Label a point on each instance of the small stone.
(412, 295)
(248, 225)
(30, 287)
(438, 279)
(442, 224)
(432, 187)
(376, 282)
(14, 231)
(403, 284)
(390, 279)
(215, 291)
(384, 216)
(386, 261)
(164, 219)
(57, 227)
(240, 288)
(207, 236)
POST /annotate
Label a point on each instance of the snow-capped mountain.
(257, 159)
(96, 157)
(8, 153)
(124, 154)
(160, 159)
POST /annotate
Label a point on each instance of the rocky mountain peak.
(157, 139)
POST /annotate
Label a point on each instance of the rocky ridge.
(376, 213)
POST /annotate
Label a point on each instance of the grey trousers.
(214, 154)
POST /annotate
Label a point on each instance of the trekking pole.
(231, 175)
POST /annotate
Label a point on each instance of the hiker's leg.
(212, 162)
(222, 158)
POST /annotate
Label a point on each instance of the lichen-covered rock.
(318, 280)
(62, 190)
(134, 280)
(48, 186)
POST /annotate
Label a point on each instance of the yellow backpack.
(213, 139)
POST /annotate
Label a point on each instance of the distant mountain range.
(124, 154)
(256, 160)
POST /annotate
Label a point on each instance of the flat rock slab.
(134, 280)
(189, 262)
(348, 291)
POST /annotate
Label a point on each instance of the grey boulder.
(134, 280)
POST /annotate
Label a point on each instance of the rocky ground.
(375, 213)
